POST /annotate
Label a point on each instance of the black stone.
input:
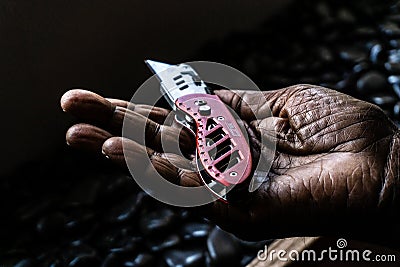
(160, 244)
(25, 263)
(116, 238)
(365, 32)
(383, 100)
(157, 221)
(392, 68)
(324, 54)
(371, 82)
(85, 193)
(353, 55)
(52, 224)
(330, 77)
(394, 79)
(346, 16)
(80, 221)
(394, 18)
(390, 29)
(223, 248)
(73, 253)
(378, 54)
(184, 258)
(125, 210)
(194, 231)
(396, 89)
(85, 260)
(114, 259)
(396, 111)
(117, 188)
(394, 56)
(361, 67)
(395, 43)
(142, 260)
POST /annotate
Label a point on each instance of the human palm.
(330, 172)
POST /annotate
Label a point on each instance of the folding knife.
(223, 153)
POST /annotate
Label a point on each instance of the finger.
(146, 161)
(156, 114)
(162, 138)
(93, 108)
(86, 137)
(87, 106)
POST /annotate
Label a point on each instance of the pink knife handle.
(221, 145)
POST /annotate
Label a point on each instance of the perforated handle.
(222, 147)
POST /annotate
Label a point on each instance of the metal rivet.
(233, 174)
(220, 118)
(200, 102)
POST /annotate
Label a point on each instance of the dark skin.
(335, 170)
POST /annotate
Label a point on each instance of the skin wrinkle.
(389, 174)
(338, 129)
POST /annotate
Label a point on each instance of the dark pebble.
(394, 18)
(394, 56)
(223, 248)
(142, 260)
(346, 16)
(83, 194)
(396, 89)
(116, 238)
(253, 245)
(114, 259)
(395, 81)
(396, 111)
(365, 32)
(390, 30)
(378, 54)
(184, 258)
(77, 248)
(330, 77)
(33, 210)
(84, 261)
(246, 259)
(25, 263)
(125, 210)
(126, 258)
(352, 55)
(393, 68)
(194, 231)
(80, 221)
(371, 82)
(325, 54)
(117, 188)
(361, 67)
(52, 224)
(160, 244)
(157, 221)
(383, 100)
(395, 43)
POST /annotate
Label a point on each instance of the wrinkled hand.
(333, 171)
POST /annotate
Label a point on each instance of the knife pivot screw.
(200, 102)
(205, 110)
(220, 118)
(233, 174)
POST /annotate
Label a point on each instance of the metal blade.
(177, 80)
(157, 67)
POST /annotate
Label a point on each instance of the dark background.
(48, 47)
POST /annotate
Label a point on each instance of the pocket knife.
(222, 151)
